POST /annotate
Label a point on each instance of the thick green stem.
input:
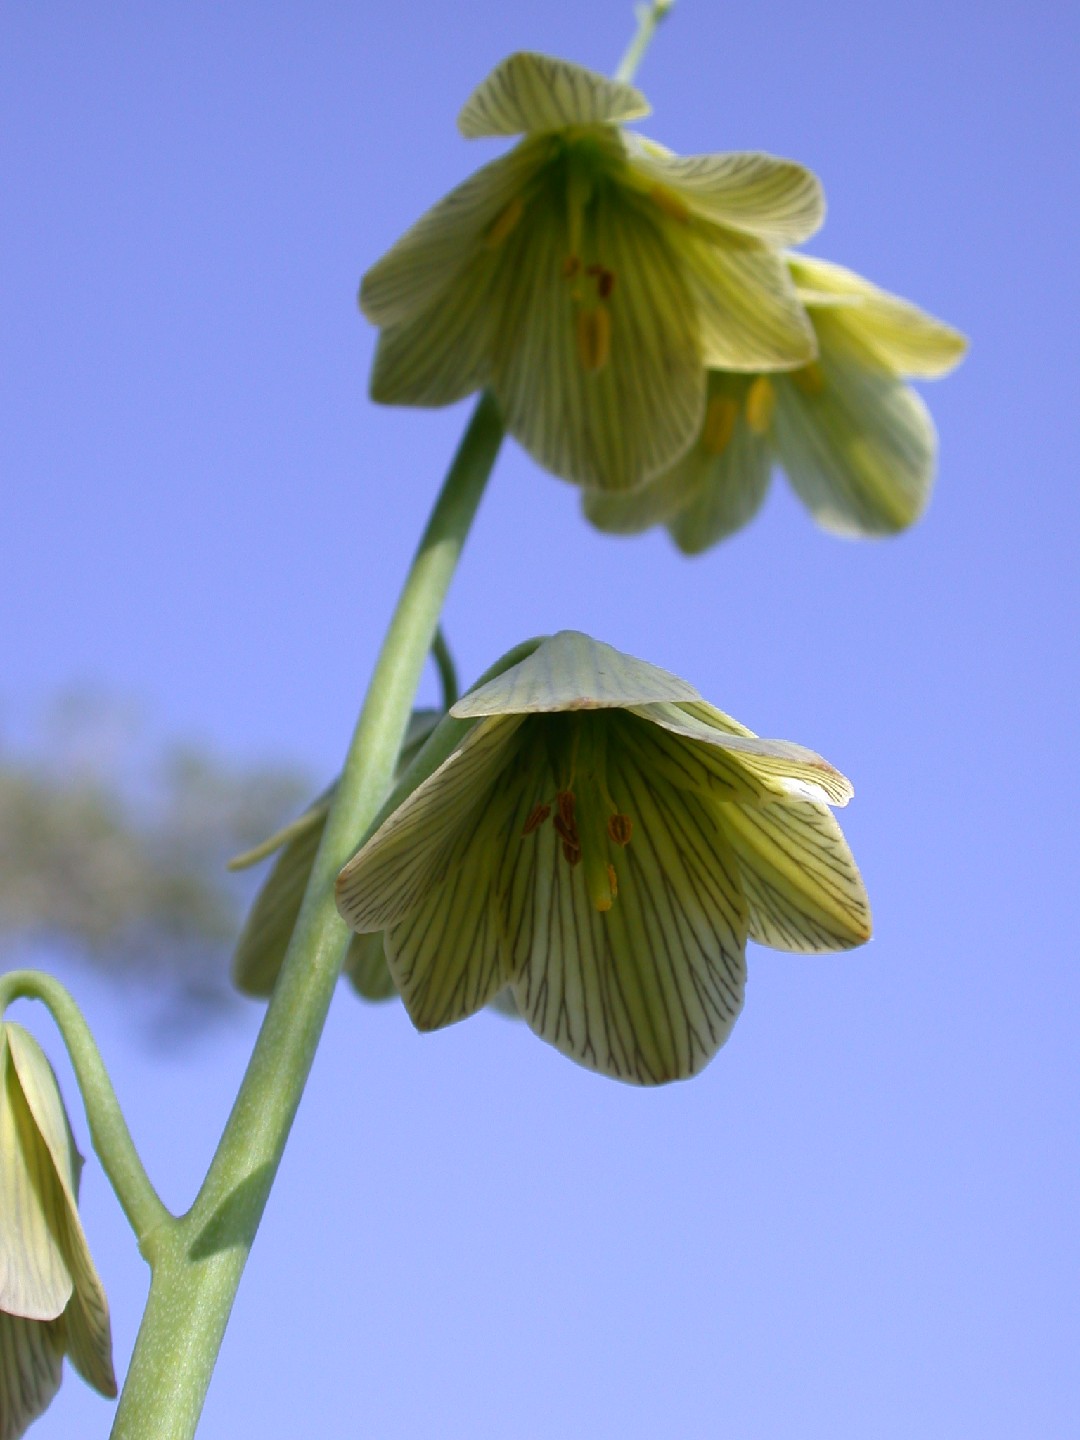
(109, 1133)
(193, 1286)
(648, 18)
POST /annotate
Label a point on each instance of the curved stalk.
(109, 1133)
(192, 1290)
(648, 18)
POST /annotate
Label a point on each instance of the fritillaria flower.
(604, 842)
(854, 439)
(52, 1302)
(589, 277)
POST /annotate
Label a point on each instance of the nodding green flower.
(604, 842)
(589, 276)
(856, 442)
(52, 1302)
(271, 920)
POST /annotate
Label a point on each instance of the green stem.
(109, 1133)
(444, 663)
(648, 18)
(194, 1285)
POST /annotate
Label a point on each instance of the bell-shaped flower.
(854, 439)
(604, 842)
(52, 1302)
(271, 920)
(588, 277)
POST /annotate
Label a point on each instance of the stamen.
(537, 815)
(810, 379)
(567, 803)
(605, 284)
(619, 829)
(505, 223)
(570, 267)
(720, 417)
(593, 338)
(567, 831)
(613, 881)
(670, 203)
(571, 853)
(760, 404)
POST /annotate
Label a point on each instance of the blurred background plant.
(113, 850)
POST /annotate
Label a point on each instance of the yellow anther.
(810, 379)
(593, 338)
(760, 404)
(505, 223)
(613, 881)
(670, 203)
(720, 416)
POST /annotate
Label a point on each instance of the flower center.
(591, 282)
(582, 813)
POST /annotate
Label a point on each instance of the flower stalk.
(109, 1133)
(194, 1283)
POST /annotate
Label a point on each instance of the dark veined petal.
(31, 1363)
(433, 252)
(857, 444)
(648, 991)
(608, 392)
(86, 1318)
(531, 92)
(773, 200)
(749, 314)
(903, 338)
(572, 671)
(442, 353)
(801, 882)
(425, 839)
(771, 770)
(445, 954)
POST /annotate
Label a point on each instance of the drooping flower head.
(855, 440)
(604, 842)
(589, 276)
(52, 1302)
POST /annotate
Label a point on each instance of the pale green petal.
(35, 1278)
(571, 671)
(859, 447)
(420, 267)
(773, 200)
(531, 92)
(801, 882)
(443, 352)
(904, 338)
(629, 512)
(648, 991)
(366, 968)
(749, 314)
(31, 1362)
(614, 425)
(420, 844)
(715, 489)
(270, 921)
(774, 770)
(445, 954)
(86, 1317)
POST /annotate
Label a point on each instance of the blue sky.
(861, 1220)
